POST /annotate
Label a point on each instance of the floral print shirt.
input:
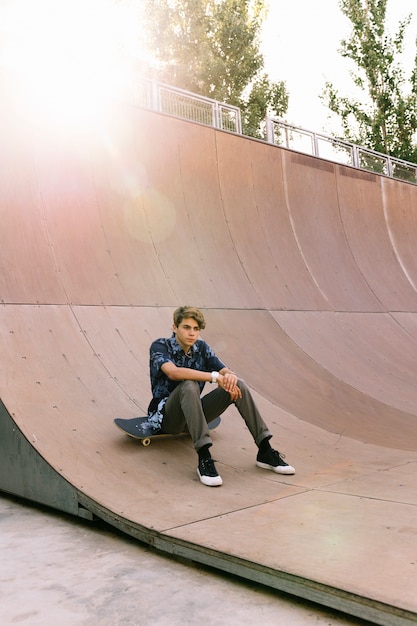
(200, 357)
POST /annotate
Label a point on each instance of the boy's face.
(187, 333)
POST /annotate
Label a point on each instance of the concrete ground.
(56, 569)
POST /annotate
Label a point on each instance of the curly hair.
(184, 312)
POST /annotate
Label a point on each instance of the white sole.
(279, 469)
(210, 481)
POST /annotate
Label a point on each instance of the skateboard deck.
(140, 428)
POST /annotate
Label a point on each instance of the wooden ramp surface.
(307, 273)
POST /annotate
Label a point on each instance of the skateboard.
(140, 428)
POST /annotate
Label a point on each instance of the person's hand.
(228, 382)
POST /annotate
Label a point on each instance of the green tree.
(212, 47)
(385, 119)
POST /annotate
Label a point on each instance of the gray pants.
(185, 409)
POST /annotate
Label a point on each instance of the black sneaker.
(272, 460)
(208, 473)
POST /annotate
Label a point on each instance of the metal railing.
(171, 100)
(181, 103)
(289, 136)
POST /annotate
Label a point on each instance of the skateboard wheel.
(146, 442)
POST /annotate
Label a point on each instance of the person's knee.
(190, 386)
(242, 385)
(244, 390)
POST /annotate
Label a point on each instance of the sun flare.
(67, 58)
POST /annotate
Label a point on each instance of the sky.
(301, 39)
(300, 44)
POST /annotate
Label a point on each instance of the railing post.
(389, 167)
(269, 127)
(238, 121)
(355, 156)
(215, 114)
(315, 145)
(156, 100)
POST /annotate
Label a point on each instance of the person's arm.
(184, 373)
(227, 379)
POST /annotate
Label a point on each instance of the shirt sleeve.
(159, 354)
(212, 361)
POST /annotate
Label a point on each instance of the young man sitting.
(179, 368)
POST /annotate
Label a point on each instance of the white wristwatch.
(214, 377)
